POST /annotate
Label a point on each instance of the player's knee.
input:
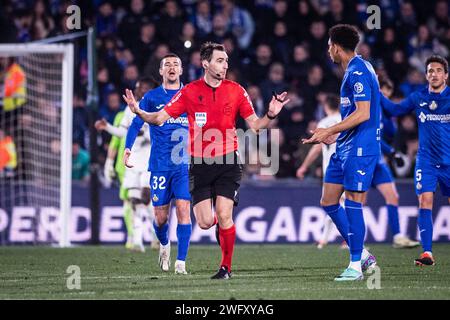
(326, 202)
(394, 199)
(204, 225)
(145, 196)
(426, 201)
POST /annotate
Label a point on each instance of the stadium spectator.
(143, 47)
(80, 163)
(112, 107)
(133, 22)
(14, 84)
(170, 23)
(274, 82)
(219, 29)
(258, 68)
(8, 156)
(106, 20)
(298, 67)
(240, 22)
(202, 19)
(194, 68)
(414, 81)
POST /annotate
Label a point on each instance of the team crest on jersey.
(433, 105)
(418, 186)
(358, 87)
(200, 118)
(155, 198)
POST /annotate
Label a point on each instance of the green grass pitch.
(260, 272)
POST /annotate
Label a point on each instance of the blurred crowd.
(273, 45)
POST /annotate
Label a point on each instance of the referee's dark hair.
(438, 59)
(344, 35)
(207, 49)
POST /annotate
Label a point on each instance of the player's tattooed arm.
(156, 118)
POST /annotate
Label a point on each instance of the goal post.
(45, 180)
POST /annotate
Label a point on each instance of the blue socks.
(339, 217)
(393, 218)
(184, 236)
(425, 222)
(162, 233)
(357, 229)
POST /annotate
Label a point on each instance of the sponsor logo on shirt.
(179, 120)
(443, 118)
(200, 118)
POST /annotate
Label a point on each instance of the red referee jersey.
(212, 115)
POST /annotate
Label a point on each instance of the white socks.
(356, 265)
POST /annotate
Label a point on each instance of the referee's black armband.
(271, 118)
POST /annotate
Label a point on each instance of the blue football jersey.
(433, 118)
(360, 83)
(169, 141)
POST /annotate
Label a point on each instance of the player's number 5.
(419, 174)
(158, 183)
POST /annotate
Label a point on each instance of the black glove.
(399, 162)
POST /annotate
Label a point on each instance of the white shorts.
(135, 179)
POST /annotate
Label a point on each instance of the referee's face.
(218, 66)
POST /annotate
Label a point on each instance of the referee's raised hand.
(131, 101)
(277, 103)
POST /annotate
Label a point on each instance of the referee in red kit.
(212, 104)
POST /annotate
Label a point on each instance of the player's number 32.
(158, 183)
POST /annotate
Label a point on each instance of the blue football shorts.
(426, 177)
(168, 185)
(353, 172)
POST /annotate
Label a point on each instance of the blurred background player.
(134, 182)
(213, 103)
(333, 116)
(432, 107)
(352, 167)
(168, 164)
(383, 180)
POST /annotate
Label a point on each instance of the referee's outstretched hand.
(277, 103)
(131, 101)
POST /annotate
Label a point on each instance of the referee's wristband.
(270, 118)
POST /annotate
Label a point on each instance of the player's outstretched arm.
(276, 104)
(312, 155)
(329, 135)
(397, 109)
(156, 118)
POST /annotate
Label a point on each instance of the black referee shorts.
(209, 178)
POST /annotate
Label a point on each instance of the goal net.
(36, 88)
